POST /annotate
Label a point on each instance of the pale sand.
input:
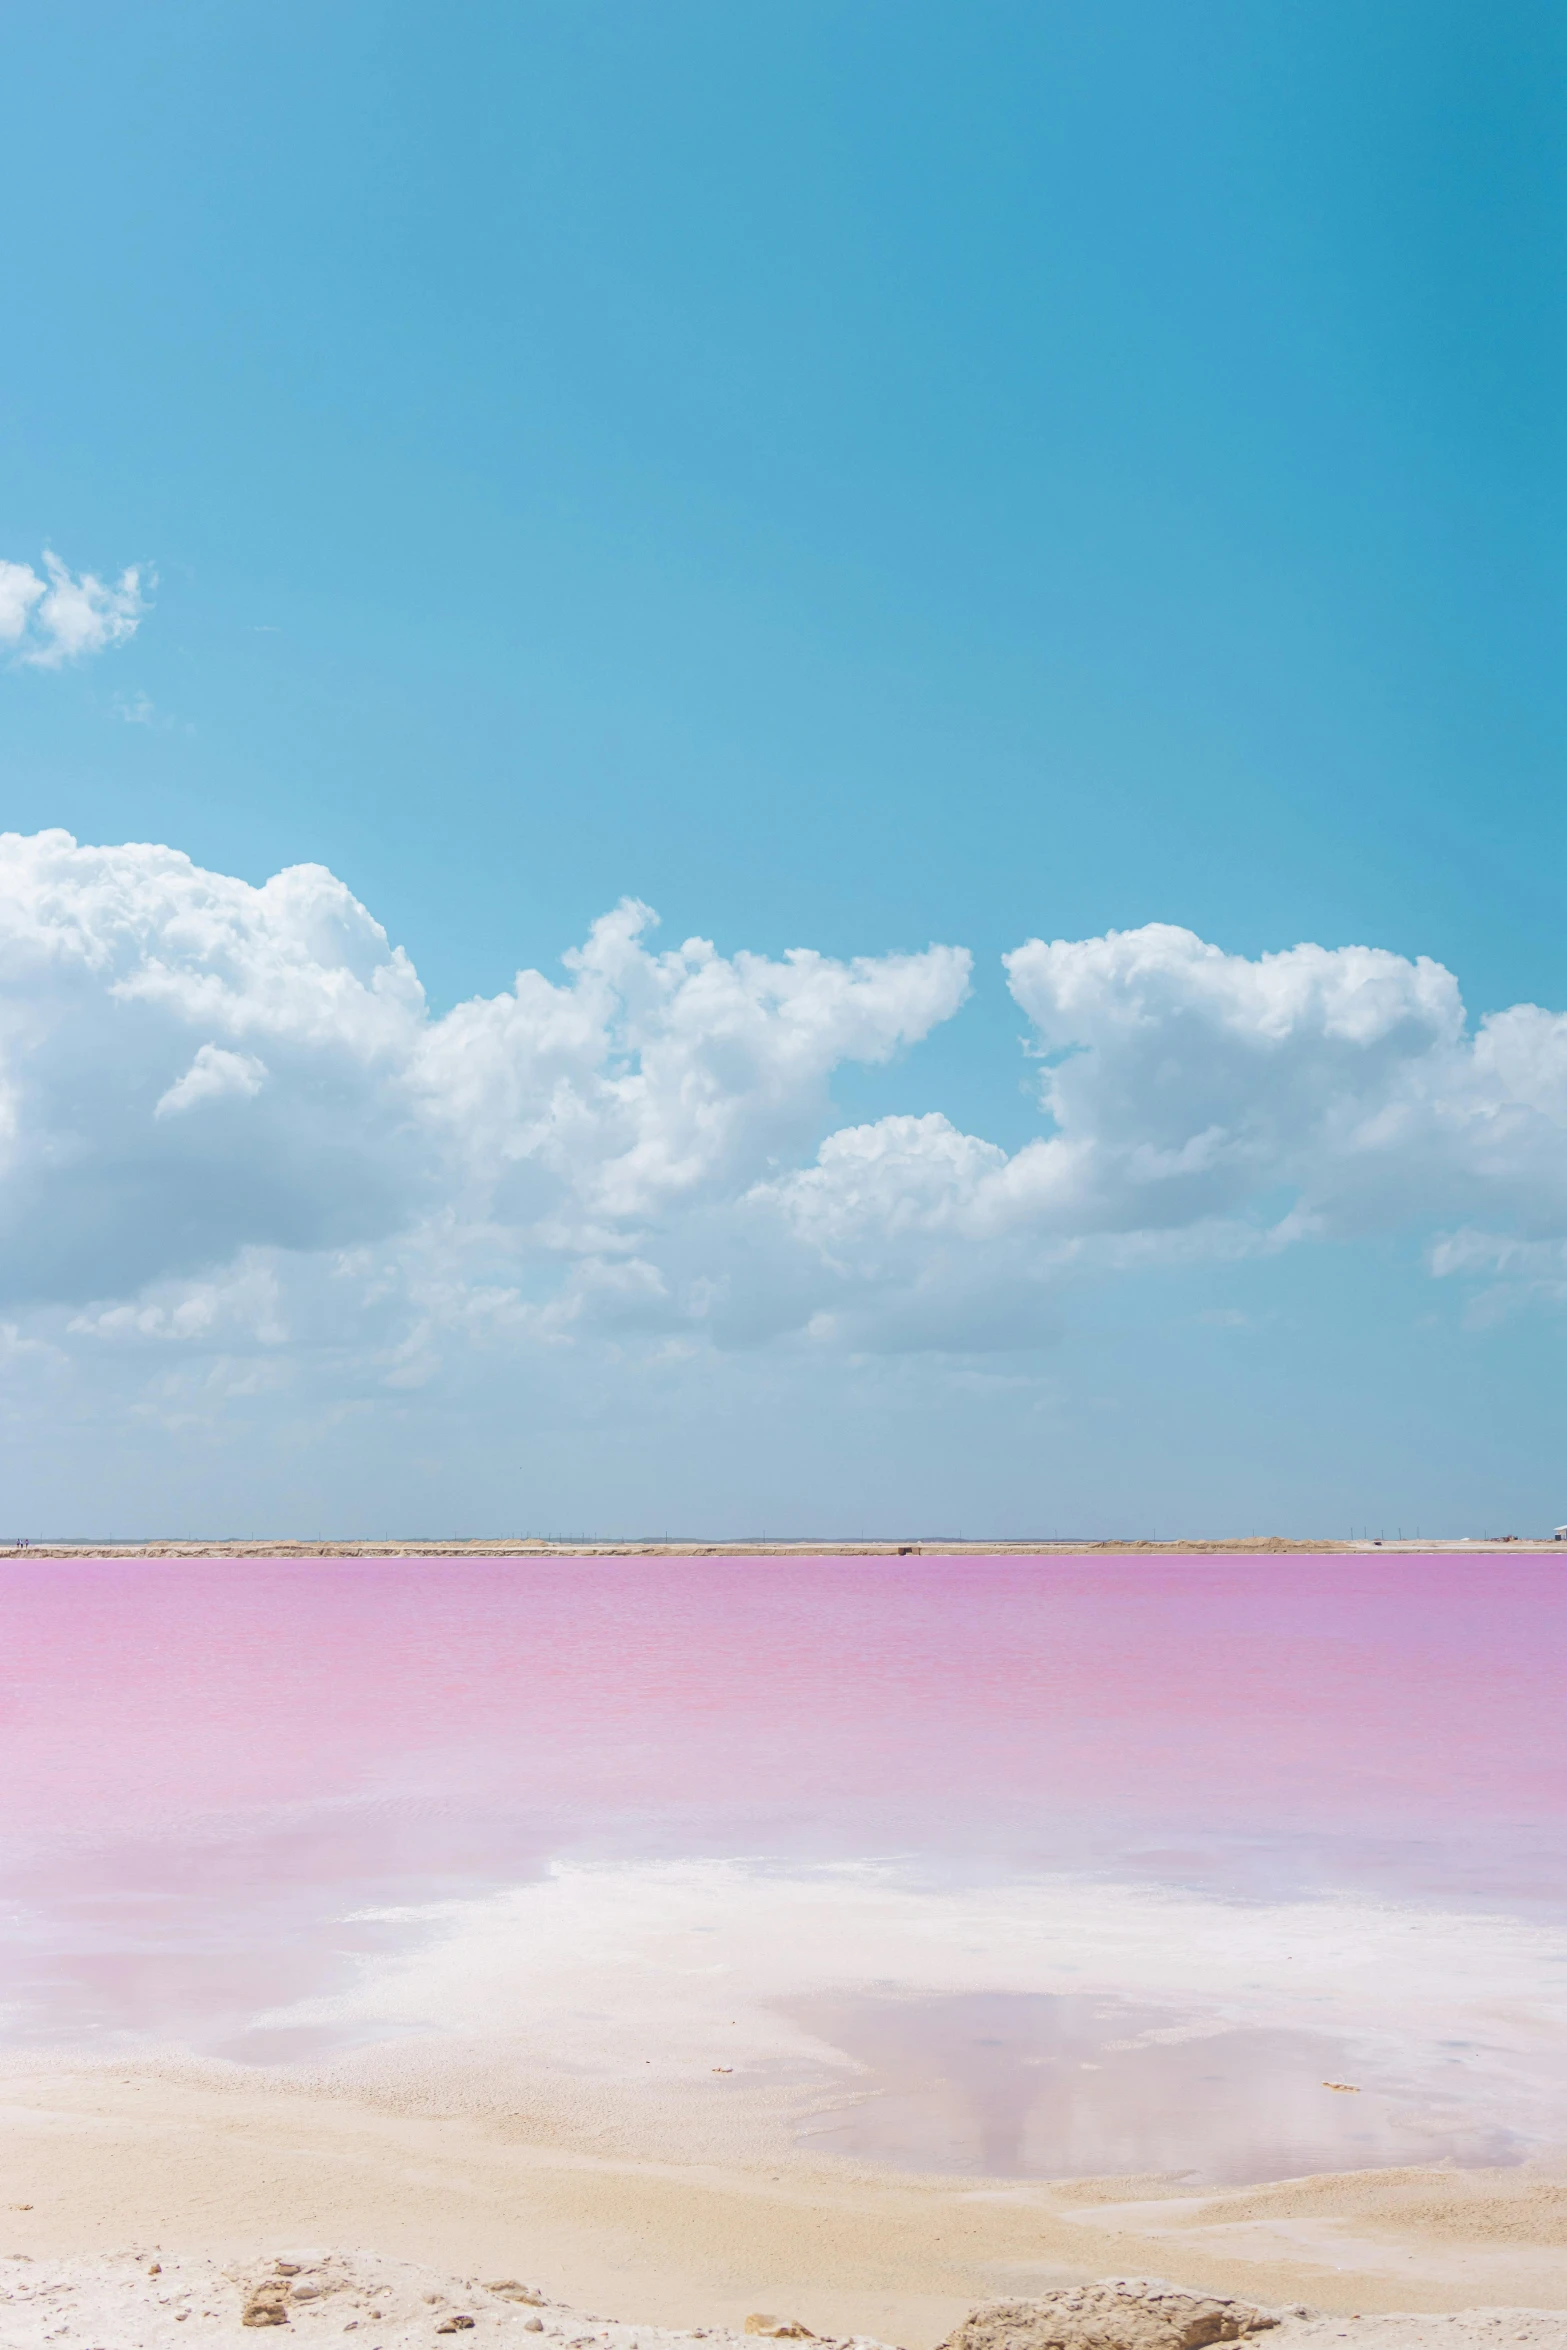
(137, 2301)
(96, 2164)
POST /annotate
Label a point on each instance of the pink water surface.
(1349, 1694)
(206, 1764)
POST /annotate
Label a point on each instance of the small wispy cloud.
(139, 709)
(59, 615)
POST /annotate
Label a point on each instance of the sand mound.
(1145, 2313)
(1123, 2313)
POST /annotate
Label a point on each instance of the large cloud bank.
(230, 1126)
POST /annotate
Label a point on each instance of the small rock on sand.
(1123, 2313)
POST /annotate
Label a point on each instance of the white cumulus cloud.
(232, 1131)
(62, 615)
(1185, 1090)
(655, 1080)
(191, 1066)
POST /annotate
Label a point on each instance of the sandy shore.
(96, 2164)
(143, 2301)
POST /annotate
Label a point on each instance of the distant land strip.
(527, 1546)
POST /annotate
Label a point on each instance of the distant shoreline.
(503, 1546)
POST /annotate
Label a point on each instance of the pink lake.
(1064, 1849)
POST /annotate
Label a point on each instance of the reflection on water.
(1012, 2085)
(185, 1937)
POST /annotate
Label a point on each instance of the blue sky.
(850, 477)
